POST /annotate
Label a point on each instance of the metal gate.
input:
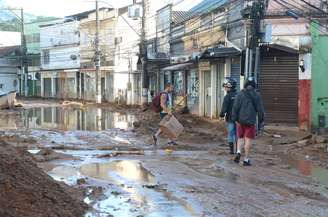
(278, 83)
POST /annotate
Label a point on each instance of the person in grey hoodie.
(247, 106)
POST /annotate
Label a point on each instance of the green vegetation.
(15, 24)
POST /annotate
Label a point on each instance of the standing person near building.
(229, 85)
(165, 107)
(248, 104)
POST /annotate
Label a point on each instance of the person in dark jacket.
(230, 87)
(247, 106)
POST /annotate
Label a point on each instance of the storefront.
(184, 77)
(215, 64)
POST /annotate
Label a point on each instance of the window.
(2, 86)
(137, 12)
(46, 56)
(134, 11)
(33, 60)
(206, 21)
(36, 37)
(32, 38)
(118, 40)
(220, 16)
(177, 49)
(195, 43)
(29, 38)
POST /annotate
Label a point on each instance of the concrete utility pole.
(97, 58)
(253, 14)
(144, 58)
(24, 59)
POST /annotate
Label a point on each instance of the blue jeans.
(231, 129)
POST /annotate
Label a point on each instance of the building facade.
(126, 79)
(10, 63)
(205, 47)
(87, 28)
(290, 64)
(60, 59)
(33, 53)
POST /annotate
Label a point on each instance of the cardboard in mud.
(171, 126)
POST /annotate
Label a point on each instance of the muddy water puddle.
(130, 190)
(306, 168)
(86, 119)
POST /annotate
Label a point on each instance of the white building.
(127, 77)
(9, 38)
(10, 62)
(60, 61)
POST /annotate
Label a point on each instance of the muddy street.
(105, 152)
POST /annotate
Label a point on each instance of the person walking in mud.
(165, 107)
(229, 85)
(248, 104)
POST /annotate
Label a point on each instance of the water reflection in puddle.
(121, 172)
(89, 118)
(135, 199)
(132, 191)
(306, 168)
(67, 174)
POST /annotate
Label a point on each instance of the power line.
(186, 34)
(283, 3)
(315, 7)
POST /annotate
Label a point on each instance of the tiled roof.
(182, 16)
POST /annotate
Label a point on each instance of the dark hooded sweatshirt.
(227, 105)
(248, 104)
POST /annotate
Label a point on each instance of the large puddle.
(133, 190)
(120, 172)
(305, 167)
(62, 118)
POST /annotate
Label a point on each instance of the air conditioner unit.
(174, 60)
(182, 59)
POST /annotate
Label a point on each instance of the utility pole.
(144, 58)
(24, 60)
(97, 58)
(253, 14)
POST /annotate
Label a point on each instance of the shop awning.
(219, 52)
(281, 48)
(177, 67)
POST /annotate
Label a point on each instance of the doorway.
(207, 92)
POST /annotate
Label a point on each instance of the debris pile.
(25, 190)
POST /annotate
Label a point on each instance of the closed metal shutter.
(278, 83)
(235, 73)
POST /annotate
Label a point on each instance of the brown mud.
(26, 191)
(112, 158)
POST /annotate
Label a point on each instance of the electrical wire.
(283, 3)
(193, 31)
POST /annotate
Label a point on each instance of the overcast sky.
(61, 8)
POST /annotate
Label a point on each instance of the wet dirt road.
(99, 150)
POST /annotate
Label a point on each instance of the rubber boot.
(231, 146)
